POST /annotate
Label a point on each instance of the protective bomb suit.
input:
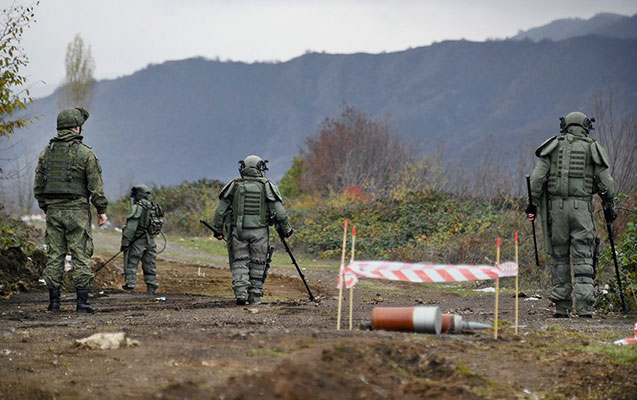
(143, 223)
(247, 205)
(68, 174)
(571, 168)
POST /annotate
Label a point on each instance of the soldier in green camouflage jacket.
(571, 168)
(246, 207)
(67, 176)
(138, 240)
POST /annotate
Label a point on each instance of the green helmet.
(253, 162)
(139, 191)
(576, 118)
(71, 118)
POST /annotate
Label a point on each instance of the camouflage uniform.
(144, 247)
(246, 207)
(68, 174)
(571, 168)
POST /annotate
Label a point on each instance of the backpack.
(152, 219)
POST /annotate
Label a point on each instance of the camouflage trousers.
(145, 251)
(249, 254)
(572, 238)
(68, 229)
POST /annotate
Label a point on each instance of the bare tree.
(16, 183)
(77, 90)
(617, 132)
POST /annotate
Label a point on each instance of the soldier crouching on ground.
(143, 223)
(246, 207)
(570, 169)
(68, 174)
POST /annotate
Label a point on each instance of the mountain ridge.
(194, 118)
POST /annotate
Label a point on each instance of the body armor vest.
(62, 173)
(248, 203)
(572, 168)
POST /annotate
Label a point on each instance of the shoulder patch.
(272, 192)
(227, 190)
(599, 156)
(547, 147)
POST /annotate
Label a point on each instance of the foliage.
(626, 249)
(77, 90)
(290, 182)
(14, 233)
(12, 59)
(352, 149)
(183, 205)
(429, 226)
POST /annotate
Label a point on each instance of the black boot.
(54, 299)
(82, 302)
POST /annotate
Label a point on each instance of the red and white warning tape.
(397, 271)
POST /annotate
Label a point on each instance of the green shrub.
(626, 248)
(183, 205)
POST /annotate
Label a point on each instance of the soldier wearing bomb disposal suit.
(246, 207)
(143, 223)
(571, 168)
(68, 176)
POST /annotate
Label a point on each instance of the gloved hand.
(122, 248)
(219, 236)
(531, 211)
(289, 233)
(609, 213)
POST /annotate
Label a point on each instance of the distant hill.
(196, 118)
(603, 24)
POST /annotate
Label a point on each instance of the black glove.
(609, 213)
(531, 209)
(289, 233)
(123, 248)
(218, 235)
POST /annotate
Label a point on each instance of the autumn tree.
(77, 90)
(16, 18)
(352, 149)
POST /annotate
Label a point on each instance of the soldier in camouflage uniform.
(68, 174)
(143, 248)
(246, 207)
(571, 168)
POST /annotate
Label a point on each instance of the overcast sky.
(127, 35)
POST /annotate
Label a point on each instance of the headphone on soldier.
(262, 165)
(588, 124)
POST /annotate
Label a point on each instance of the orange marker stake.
(497, 290)
(516, 283)
(340, 279)
(351, 290)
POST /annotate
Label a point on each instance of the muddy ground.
(198, 344)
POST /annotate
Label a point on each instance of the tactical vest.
(572, 168)
(249, 207)
(151, 219)
(61, 171)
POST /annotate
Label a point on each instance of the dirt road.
(197, 344)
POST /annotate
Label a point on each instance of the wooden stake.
(340, 280)
(351, 290)
(497, 289)
(516, 283)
